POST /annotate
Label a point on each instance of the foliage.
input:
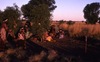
(26, 9)
(11, 14)
(61, 22)
(91, 12)
(41, 19)
(1, 14)
(70, 22)
(39, 13)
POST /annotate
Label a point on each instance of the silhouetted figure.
(11, 38)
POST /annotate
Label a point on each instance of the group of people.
(53, 34)
(7, 36)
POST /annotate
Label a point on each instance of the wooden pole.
(85, 44)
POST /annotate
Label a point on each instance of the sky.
(66, 9)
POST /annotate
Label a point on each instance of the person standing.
(3, 32)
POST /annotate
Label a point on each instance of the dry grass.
(82, 29)
(63, 26)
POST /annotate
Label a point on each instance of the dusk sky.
(66, 9)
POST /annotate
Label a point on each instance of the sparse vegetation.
(82, 29)
(38, 42)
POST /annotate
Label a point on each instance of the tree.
(12, 14)
(41, 19)
(91, 12)
(1, 14)
(39, 13)
(26, 9)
